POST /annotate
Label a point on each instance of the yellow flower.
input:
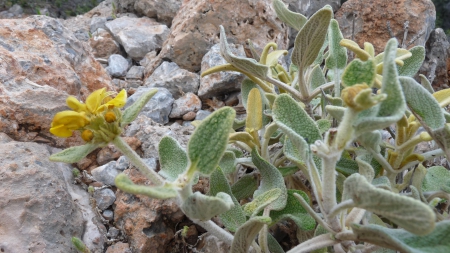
(65, 122)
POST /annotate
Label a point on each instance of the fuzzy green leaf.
(209, 140)
(233, 218)
(422, 103)
(311, 37)
(254, 110)
(125, 184)
(317, 77)
(246, 234)
(437, 241)
(250, 66)
(261, 201)
(426, 83)
(413, 63)
(390, 110)
(172, 158)
(336, 112)
(337, 57)
(435, 179)
(245, 186)
(73, 154)
(358, 72)
(202, 207)
(274, 246)
(79, 245)
(410, 214)
(133, 111)
(293, 19)
(228, 162)
(346, 166)
(295, 212)
(270, 178)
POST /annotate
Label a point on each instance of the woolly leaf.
(293, 19)
(310, 39)
(359, 72)
(261, 201)
(254, 110)
(437, 241)
(209, 140)
(172, 158)
(413, 63)
(337, 54)
(202, 207)
(435, 179)
(125, 184)
(245, 186)
(233, 218)
(317, 77)
(73, 154)
(410, 214)
(246, 234)
(228, 162)
(247, 65)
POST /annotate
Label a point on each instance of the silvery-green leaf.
(254, 119)
(233, 218)
(438, 241)
(410, 214)
(209, 140)
(365, 169)
(324, 125)
(274, 246)
(261, 201)
(311, 37)
(293, 19)
(422, 103)
(418, 177)
(291, 152)
(246, 234)
(413, 63)
(250, 66)
(202, 207)
(125, 184)
(426, 83)
(317, 77)
(359, 72)
(246, 86)
(346, 166)
(245, 186)
(287, 171)
(436, 177)
(294, 211)
(172, 158)
(337, 57)
(321, 55)
(133, 111)
(390, 110)
(228, 162)
(371, 140)
(270, 178)
(73, 154)
(336, 112)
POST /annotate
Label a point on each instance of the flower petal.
(94, 100)
(61, 131)
(119, 101)
(71, 119)
(75, 105)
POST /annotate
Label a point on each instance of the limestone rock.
(195, 29)
(117, 65)
(221, 82)
(104, 198)
(159, 106)
(437, 60)
(163, 11)
(103, 44)
(138, 36)
(40, 208)
(369, 18)
(187, 103)
(178, 81)
(41, 59)
(119, 247)
(135, 72)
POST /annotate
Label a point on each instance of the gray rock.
(117, 65)
(39, 203)
(103, 44)
(187, 103)
(122, 163)
(108, 215)
(106, 173)
(96, 23)
(135, 72)
(16, 10)
(112, 232)
(202, 114)
(163, 11)
(309, 7)
(138, 36)
(159, 106)
(221, 82)
(178, 81)
(104, 198)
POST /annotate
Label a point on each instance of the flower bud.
(87, 135)
(110, 117)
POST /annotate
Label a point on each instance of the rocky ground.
(137, 45)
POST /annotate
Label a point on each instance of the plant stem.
(313, 213)
(137, 161)
(317, 242)
(215, 230)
